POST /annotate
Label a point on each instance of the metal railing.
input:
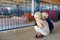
(12, 17)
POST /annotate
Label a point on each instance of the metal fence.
(12, 17)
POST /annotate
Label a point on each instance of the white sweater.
(44, 30)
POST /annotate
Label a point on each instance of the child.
(41, 28)
(51, 26)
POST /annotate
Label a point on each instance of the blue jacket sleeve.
(51, 26)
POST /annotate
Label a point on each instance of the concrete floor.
(28, 34)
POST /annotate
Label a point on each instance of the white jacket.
(44, 30)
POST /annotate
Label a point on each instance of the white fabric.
(44, 30)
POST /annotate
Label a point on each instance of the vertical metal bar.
(32, 8)
(46, 4)
(9, 22)
(20, 13)
(13, 22)
(15, 25)
(57, 11)
(51, 9)
(5, 22)
(26, 5)
(17, 21)
(2, 23)
(40, 6)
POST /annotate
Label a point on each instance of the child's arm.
(39, 25)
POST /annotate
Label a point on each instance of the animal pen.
(19, 14)
(16, 15)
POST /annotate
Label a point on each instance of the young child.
(45, 16)
(41, 28)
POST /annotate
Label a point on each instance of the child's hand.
(40, 25)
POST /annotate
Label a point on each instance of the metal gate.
(15, 15)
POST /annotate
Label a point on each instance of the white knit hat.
(45, 15)
(37, 15)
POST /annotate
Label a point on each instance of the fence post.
(51, 9)
(32, 8)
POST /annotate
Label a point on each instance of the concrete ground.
(28, 34)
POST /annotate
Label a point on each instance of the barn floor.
(28, 34)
